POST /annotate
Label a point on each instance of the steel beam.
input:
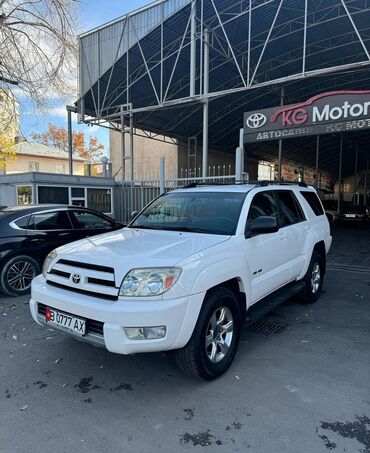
(366, 180)
(282, 94)
(340, 174)
(317, 161)
(70, 140)
(123, 150)
(205, 105)
(193, 48)
(132, 163)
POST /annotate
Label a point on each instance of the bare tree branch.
(38, 48)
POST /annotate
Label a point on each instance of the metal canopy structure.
(187, 68)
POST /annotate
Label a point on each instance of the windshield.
(199, 212)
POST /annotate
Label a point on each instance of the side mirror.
(262, 225)
(133, 215)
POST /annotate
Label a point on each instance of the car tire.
(313, 279)
(17, 274)
(215, 339)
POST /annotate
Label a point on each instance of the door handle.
(283, 235)
(307, 228)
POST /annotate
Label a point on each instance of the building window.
(33, 166)
(53, 195)
(100, 199)
(78, 196)
(60, 168)
(24, 195)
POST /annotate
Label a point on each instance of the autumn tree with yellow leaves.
(7, 152)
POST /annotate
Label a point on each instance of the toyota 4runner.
(188, 272)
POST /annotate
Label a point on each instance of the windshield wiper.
(146, 227)
(190, 229)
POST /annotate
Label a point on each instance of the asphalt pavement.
(302, 389)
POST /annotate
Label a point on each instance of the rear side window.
(89, 221)
(23, 222)
(290, 209)
(50, 221)
(313, 200)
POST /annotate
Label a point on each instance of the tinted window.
(200, 212)
(88, 220)
(23, 222)
(50, 221)
(290, 210)
(78, 192)
(313, 200)
(53, 195)
(263, 204)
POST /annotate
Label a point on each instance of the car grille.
(84, 278)
(92, 326)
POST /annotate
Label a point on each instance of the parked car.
(331, 209)
(354, 214)
(28, 234)
(187, 273)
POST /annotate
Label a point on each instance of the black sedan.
(28, 234)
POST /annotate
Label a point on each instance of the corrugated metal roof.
(40, 150)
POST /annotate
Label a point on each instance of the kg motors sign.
(327, 113)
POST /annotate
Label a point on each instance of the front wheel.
(213, 345)
(313, 279)
(17, 275)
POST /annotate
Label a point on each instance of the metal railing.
(132, 196)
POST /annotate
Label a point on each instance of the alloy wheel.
(315, 278)
(20, 275)
(219, 334)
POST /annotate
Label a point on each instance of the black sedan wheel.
(17, 275)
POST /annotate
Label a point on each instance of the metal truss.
(184, 65)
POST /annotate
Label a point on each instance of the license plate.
(61, 319)
(350, 216)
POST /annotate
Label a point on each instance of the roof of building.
(141, 62)
(40, 150)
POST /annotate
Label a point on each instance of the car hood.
(130, 248)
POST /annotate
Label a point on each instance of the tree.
(7, 153)
(38, 47)
(58, 138)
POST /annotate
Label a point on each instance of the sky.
(93, 13)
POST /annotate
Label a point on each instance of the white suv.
(188, 272)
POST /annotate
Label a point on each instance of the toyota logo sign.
(76, 278)
(256, 120)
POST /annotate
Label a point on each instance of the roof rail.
(192, 185)
(280, 183)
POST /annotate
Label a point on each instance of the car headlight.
(45, 268)
(149, 282)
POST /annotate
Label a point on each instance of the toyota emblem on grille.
(256, 120)
(76, 278)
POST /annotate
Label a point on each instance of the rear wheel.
(313, 279)
(17, 275)
(215, 339)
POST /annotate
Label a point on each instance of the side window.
(89, 221)
(290, 209)
(313, 200)
(23, 222)
(47, 221)
(263, 204)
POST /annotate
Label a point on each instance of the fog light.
(145, 333)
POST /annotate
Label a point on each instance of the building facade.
(36, 157)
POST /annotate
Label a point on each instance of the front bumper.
(178, 315)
